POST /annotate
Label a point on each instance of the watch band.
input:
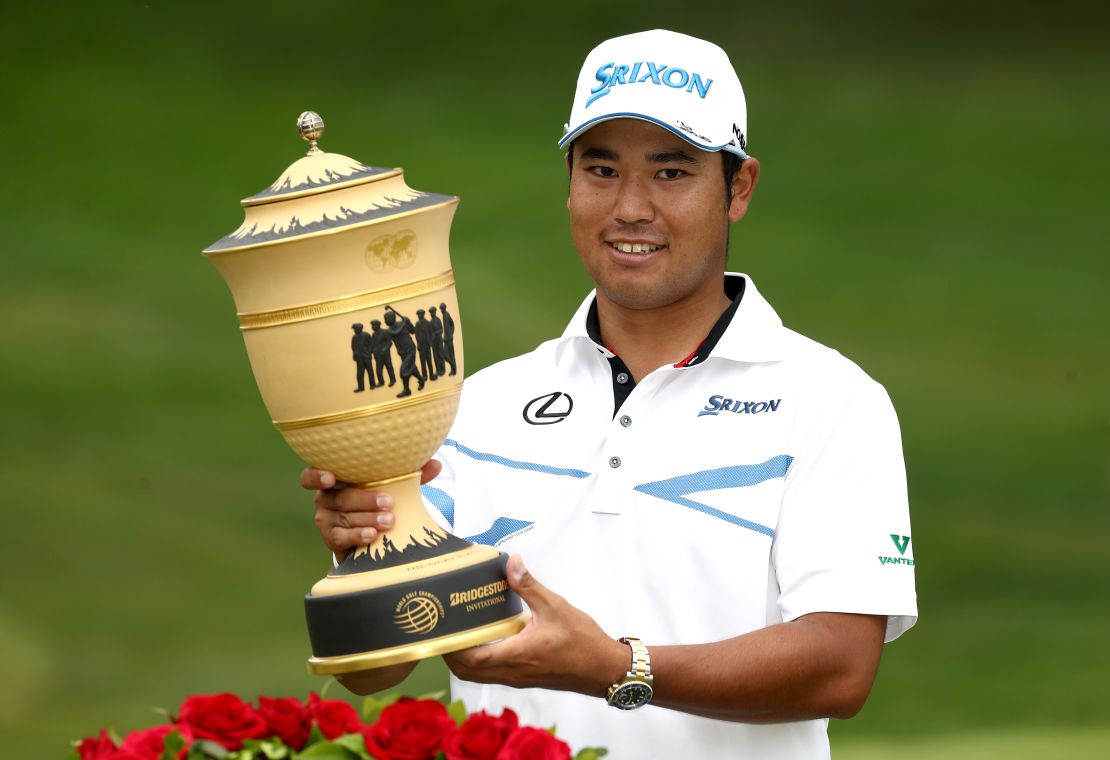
(635, 689)
(641, 658)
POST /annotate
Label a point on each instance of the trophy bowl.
(342, 281)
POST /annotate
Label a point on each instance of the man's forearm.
(821, 665)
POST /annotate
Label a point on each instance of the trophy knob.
(311, 126)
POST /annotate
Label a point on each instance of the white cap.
(679, 82)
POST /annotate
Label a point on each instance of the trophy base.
(413, 619)
(325, 666)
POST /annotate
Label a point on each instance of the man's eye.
(603, 171)
(671, 173)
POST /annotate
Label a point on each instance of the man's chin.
(642, 298)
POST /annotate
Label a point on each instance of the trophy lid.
(321, 193)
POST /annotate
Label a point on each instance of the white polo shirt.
(762, 482)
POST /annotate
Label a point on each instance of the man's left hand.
(560, 648)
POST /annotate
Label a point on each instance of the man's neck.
(646, 339)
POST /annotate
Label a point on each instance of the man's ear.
(743, 186)
(569, 157)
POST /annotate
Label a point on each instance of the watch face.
(631, 695)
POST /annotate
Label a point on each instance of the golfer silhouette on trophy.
(379, 347)
(437, 340)
(448, 337)
(361, 353)
(424, 346)
(400, 329)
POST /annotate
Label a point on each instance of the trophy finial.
(311, 126)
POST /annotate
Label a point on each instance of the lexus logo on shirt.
(548, 409)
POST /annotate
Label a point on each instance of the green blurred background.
(932, 203)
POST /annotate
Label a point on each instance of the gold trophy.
(343, 285)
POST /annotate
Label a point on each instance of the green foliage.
(457, 711)
(354, 743)
(270, 749)
(203, 749)
(315, 736)
(591, 753)
(372, 705)
(349, 747)
(172, 745)
(330, 751)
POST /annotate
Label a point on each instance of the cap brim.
(585, 126)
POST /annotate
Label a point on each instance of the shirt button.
(614, 462)
(622, 378)
(626, 420)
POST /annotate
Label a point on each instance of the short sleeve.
(843, 542)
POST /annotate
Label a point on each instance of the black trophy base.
(412, 620)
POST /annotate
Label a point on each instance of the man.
(379, 346)
(362, 355)
(424, 338)
(400, 330)
(437, 341)
(448, 337)
(709, 486)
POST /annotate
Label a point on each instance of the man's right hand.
(369, 681)
(349, 517)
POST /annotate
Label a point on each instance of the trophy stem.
(414, 547)
(408, 509)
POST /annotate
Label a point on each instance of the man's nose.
(634, 203)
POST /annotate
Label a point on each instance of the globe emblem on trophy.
(420, 614)
(338, 266)
(387, 252)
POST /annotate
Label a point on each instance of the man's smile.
(641, 248)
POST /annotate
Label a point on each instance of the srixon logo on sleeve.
(612, 74)
(719, 405)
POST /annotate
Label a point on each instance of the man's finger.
(378, 520)
(534, 593)
(340, 540)
(313, 479)
(429, 471)
(358, 500)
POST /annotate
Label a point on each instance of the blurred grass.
(1017, 744)
(930, 204)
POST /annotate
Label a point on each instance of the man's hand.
(348, 517)
(820, 665)
(366, 682)
(560, 648)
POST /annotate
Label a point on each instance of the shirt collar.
(754, 333)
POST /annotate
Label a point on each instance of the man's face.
(637, 185)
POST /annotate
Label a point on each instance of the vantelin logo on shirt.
(718, 404)
(901, 543)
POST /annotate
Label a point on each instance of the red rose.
(480, 737)
(534, 744)
(334, 716)
(409, 729)
(287, 718)
(222, 718)
(103, 748)
(96, 747)
(148, 744)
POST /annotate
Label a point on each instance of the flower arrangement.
(224, 727)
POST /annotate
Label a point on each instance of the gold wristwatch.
(634, 690)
